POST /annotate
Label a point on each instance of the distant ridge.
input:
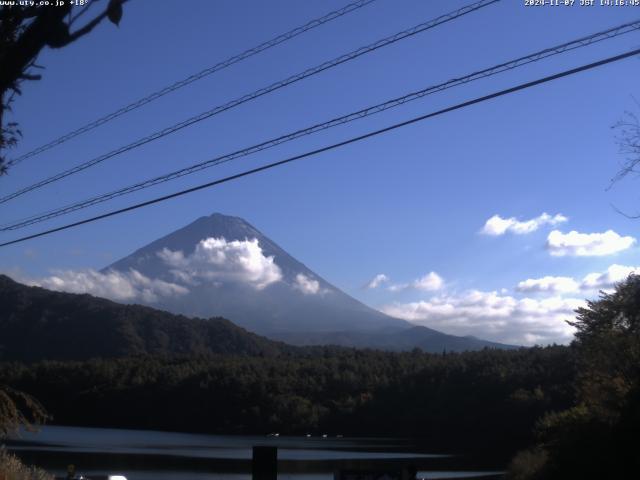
(424, 338)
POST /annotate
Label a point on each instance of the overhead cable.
(258, 93)
(193, 78)
(334, 146)
(363, 113)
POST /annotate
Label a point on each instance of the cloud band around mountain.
(120, 286)
(307, 285)
(219, 260)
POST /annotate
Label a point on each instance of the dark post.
(265, 463)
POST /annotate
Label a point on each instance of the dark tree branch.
(628, 140)
(86, 29)
(19, 410)
(24, 33)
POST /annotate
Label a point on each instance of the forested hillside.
(38, 324)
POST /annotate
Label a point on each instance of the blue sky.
(405, 204)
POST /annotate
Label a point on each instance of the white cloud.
(607, 279)
(120, 286)
(549, 284)
(427, 283)
(173, 258)
(376, 281)
(497, 225)
(216, 259)
(587, 244)
(591, 282)
(494, 316)
(307, 285)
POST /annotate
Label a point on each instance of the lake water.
(151, 455)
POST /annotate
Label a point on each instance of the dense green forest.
(452, 400)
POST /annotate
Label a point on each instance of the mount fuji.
(223, 266)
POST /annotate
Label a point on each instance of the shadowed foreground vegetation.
(12, 469)
(18, 410)
(598, 436)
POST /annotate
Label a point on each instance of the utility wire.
(195, 77)
(522, 86)
(381, 107)
(258, 93)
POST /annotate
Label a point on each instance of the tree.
(628, 139)
(24, 32)
(597, 437)
(17, 409)
(608, 342)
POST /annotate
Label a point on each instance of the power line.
(510, 65)
(258, 93)
(195, 77)
(374, 133)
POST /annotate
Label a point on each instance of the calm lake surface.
(151, 455)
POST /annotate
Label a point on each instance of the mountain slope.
(38, 324)
(279, 307)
